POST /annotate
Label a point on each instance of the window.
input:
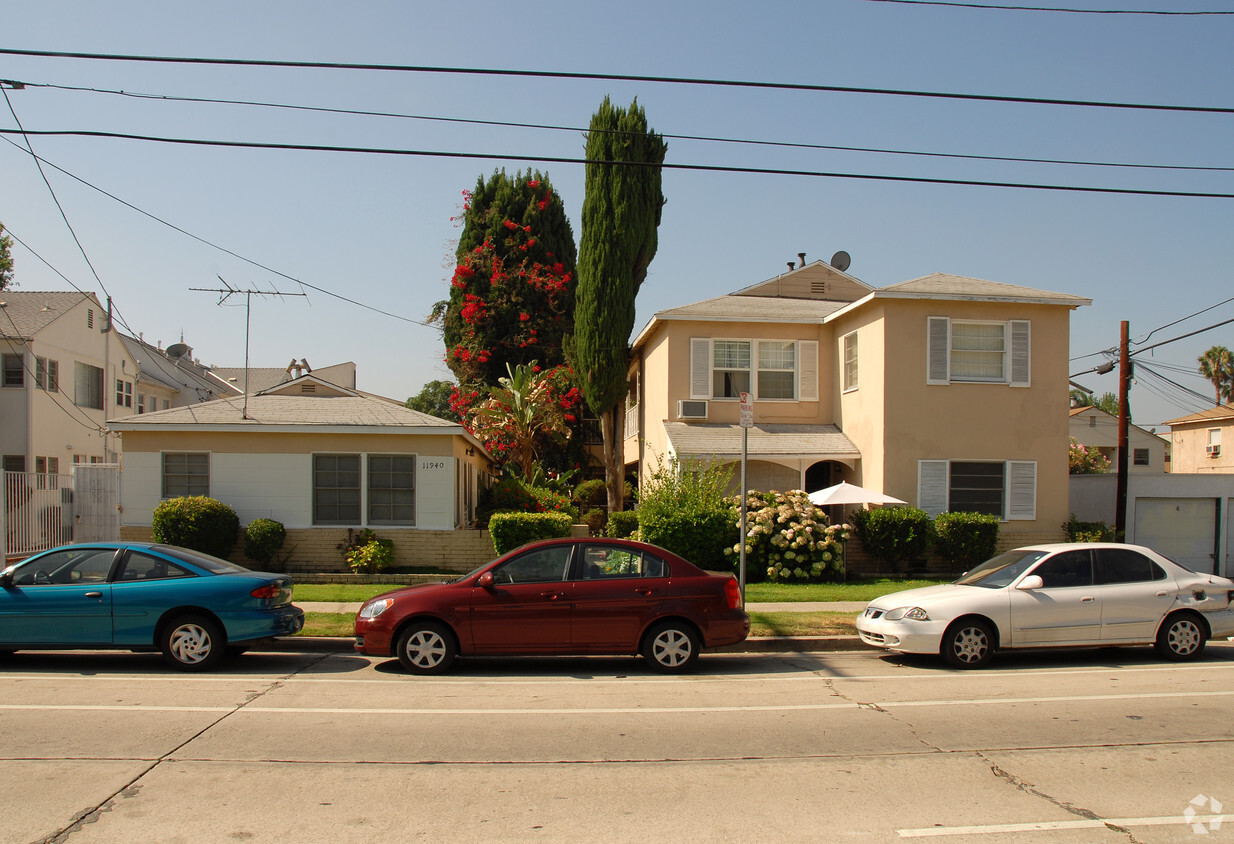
(141, 566)
(124, 393)
(1140, 457)
(336, 489)
(47, 375)
(1007, 489)
(14, 371)
(767, 369)
(1070, 568)
(544, 565)
(89, 317)
(850, 361)
(392, 489)
(602, 563)
(977, 352)
(1122, 565)
(141, 402)
(186, 474)
(87, 385)
(1214, 436)
(47, 465)
(73, 565)
(14, 463)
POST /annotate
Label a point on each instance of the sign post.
(746, 420)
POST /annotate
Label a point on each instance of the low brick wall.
(317, 549)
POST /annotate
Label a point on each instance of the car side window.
(1122, 565)
(543, 565)
(72, 565)
(140, 566)
(1067, 568)
(606, 562)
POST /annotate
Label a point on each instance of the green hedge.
(622, 524)
(701, 537)
(510, 530)
(197, 522)
(263, 538)
(894, 534)
(966, 539)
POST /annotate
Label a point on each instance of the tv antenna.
(226, 293)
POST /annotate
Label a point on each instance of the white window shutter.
(932, 486)
(1021, 369)
(700, 368)
(938, 352)
(807, 374)
(1021, 490)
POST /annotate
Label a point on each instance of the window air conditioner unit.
(691, 410)
(1213, 450)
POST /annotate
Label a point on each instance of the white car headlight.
(376, 608)
(913, 613)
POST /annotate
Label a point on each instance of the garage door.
(1184, 529)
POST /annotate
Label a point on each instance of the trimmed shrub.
(591, 492)
(595, 519)
(511, 494)
(262, 540)
(622, 524)
(701, 536)
(894, 534)
(367, 553)
(510, 530)
(197, 522)
(965, 539)
(787, 538)
(1078, 531)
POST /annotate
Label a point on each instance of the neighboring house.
(942, 391)
(257, 379)
(318, 457)
(170, 377)
(1202, 442)
(65, 372)
(1093, 428)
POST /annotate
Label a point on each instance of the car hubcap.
(1184, 638)
(425, 649)
(971, 644)
(190, 643)
(672, 648)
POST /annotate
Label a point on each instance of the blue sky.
(377, 229)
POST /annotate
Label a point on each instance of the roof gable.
(26, 313)
(818, 280)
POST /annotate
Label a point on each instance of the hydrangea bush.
(789, 538)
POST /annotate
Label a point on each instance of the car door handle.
(1087, 599)
(94, 594)
(1163, 594)
(552, 596)
(644, 590)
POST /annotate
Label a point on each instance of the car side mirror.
(1033, 581)
(485, 581)
(6, 578)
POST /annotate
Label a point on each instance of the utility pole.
(248, 302)
(1124, 414)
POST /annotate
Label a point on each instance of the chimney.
(802, 256)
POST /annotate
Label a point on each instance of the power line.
(583, 129)
(1046, 8)
(610, 77)
(205, 242)
(547, 159)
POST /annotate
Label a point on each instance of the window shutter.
(1021, 490)
(807, 388)
(700, 368)
(1021, 370)
(932, 486)
(938, 353)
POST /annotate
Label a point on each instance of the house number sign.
(429, 465)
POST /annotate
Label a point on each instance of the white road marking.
(1101, 823)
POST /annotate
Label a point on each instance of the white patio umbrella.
(846, 493)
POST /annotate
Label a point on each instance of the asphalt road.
(1078, 747)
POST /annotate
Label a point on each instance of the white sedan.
(1064, 595)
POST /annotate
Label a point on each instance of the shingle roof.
(283, 412)
(755, 309)
(259, 377)
(711, 439)
(945, 285)
(1213, 414)
(24, 313)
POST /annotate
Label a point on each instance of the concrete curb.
(764, 644)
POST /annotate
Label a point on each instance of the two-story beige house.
(942, 391)
(1203, 443)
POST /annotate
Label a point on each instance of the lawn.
(756, 593)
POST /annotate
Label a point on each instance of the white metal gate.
(40, 511)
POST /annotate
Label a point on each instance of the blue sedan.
(142, 596)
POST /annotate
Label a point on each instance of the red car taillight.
(733, 593)
(270, 590)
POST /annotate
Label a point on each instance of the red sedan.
(560, 596)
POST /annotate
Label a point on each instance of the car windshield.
(215, 565)
(1000, 571)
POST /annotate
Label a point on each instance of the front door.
(63, 598)
(1065, 610)
(527, 608)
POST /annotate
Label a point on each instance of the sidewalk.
(760, 644)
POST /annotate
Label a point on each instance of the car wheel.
(1181, 637)
(426, 648)
(671, 646)
(192, 643)
(968, 644)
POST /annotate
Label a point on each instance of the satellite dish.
(177, 350)
(841, 260)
